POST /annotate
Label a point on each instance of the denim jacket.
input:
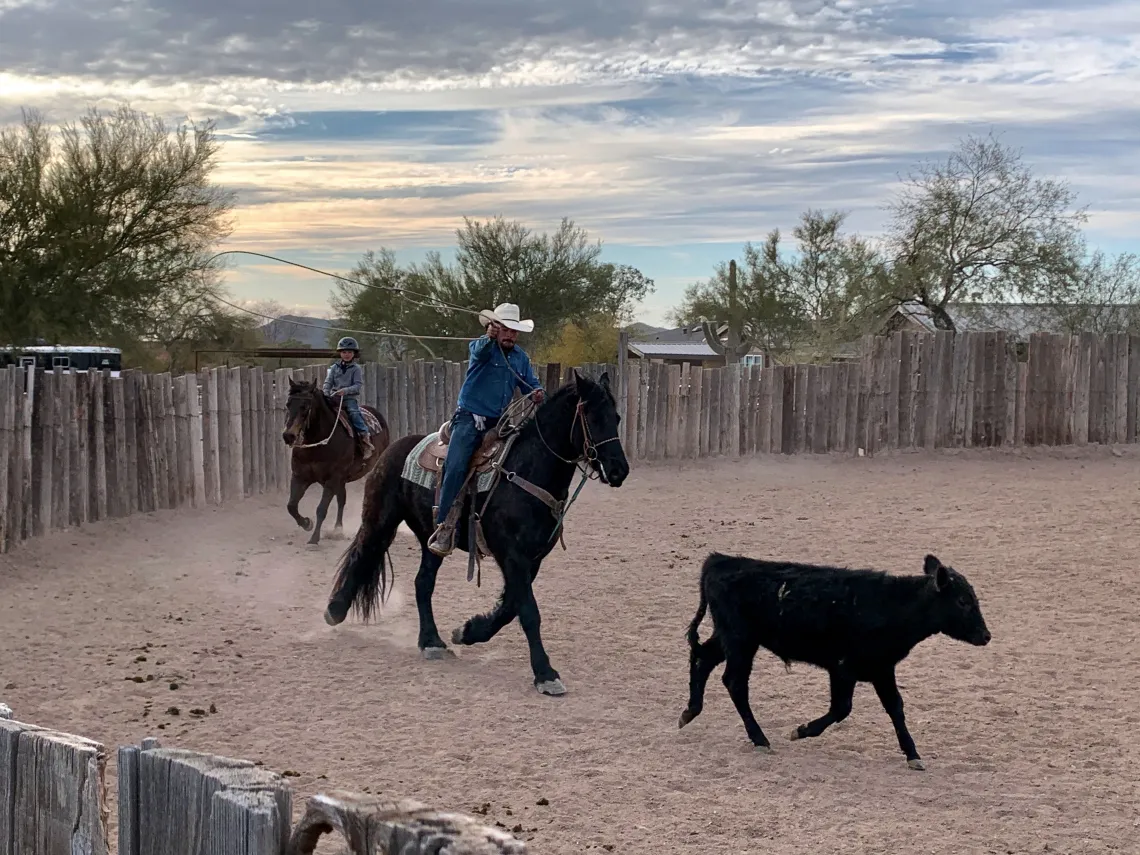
(348, 377)
(490, 382)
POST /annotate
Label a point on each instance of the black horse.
(323, 453)
(578, 424)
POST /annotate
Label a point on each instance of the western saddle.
(433, 456)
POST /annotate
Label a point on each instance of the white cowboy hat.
(506, 314)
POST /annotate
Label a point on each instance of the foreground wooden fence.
(77, 448)
(179, 802)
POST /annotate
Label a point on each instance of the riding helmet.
(348, 343)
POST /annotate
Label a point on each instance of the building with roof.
(687, 345)
(1020, 320)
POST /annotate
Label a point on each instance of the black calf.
(856, 624)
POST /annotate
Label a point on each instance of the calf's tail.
(702, 607)
(693, 635)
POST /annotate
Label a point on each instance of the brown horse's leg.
(322, 512)
(341, 497)
(297, 489)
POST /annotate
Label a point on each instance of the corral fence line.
(177, 802)
(83, 447)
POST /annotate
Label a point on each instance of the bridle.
(589, 454)
(298, 444)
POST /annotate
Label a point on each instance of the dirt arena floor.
(1031, 744)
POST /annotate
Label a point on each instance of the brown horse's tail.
(362, 577)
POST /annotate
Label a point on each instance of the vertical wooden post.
(80, 472)
(284, 455)
(623, 374)
(208, 379)
(197, 451)
(97, 501)
(269, 424)
(246, 407)
(60, 472)
(734, 375)
(170, 440)
(185, 495)
(118, 406)
(235, 438)
(7, 434)
(41, 455)
(257, 428)
(130, 437)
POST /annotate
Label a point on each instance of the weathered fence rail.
(78, 448)
(53, 801)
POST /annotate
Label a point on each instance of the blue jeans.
(353, 407)
(465, 440)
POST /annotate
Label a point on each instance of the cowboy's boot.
(442, 541)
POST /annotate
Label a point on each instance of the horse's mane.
(566, 392)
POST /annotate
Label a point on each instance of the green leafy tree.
(980, 227)
(554, 278)
(841, 281)
(770, 313)
(107, 227)
(1102, 295)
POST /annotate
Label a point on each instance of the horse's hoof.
(686, 717)
(457, 635)
(307, 524)
(794, 735)
(437, 653)
(916, 764)
(763, 749)
(554, 687)
(335, 534)
(313, 544)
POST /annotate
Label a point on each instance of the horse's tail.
(362, 577)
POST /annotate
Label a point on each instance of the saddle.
(370, 421)
(433, 456)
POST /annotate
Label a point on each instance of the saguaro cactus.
(737, 345)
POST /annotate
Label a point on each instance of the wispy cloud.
(655, 123)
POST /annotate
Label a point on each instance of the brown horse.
(324, 452)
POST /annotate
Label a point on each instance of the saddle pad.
(370, 421)
(418, 475)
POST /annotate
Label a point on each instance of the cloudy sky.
(674, 130)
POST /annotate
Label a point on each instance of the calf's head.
(960, 615)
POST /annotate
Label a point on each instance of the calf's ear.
(942, 577)
(931, 566)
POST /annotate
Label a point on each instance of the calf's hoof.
(436, 653)
(553, 687)
(916, 765)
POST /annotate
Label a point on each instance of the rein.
(325, 441)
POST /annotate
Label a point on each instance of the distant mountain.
(638, 331)
(302, 330)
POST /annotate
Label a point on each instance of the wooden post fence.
(179, 802)
(78, 448)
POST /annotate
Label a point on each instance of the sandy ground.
(1031, 743)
